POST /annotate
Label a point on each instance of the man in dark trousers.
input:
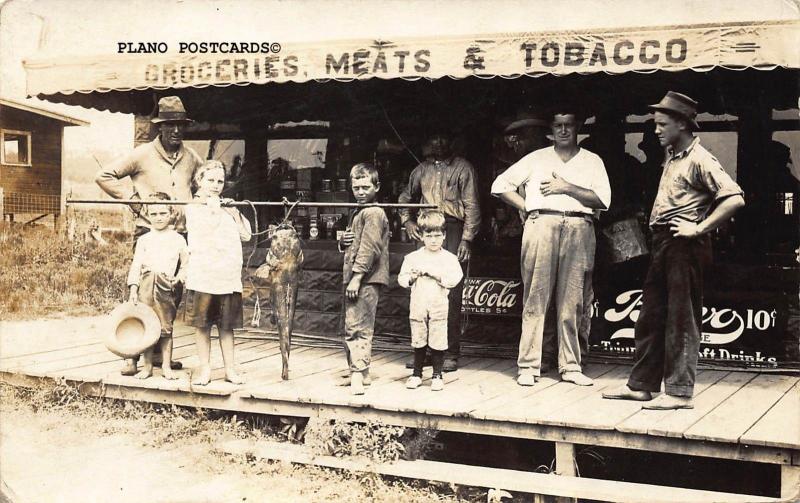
(695, 196)
(164, 165)
(449, 182)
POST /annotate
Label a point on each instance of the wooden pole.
(286, 204)
(565, 465)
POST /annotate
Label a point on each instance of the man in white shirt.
(563, 184)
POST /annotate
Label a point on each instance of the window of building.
(15, 147)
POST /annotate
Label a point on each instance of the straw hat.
(131, 329)
(170, 109)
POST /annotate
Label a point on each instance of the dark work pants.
(454, 230)
(668, 329)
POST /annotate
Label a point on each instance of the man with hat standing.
(449, 182)
(695, 196)
(163, 165)
(526, 133)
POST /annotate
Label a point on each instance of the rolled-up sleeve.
(110, 177)
(711, 176)
(512, 178)
(600, 184)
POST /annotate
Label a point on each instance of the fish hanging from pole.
(280, 274)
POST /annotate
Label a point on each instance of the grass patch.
(45, 273)
(373, 440)
(158, 425)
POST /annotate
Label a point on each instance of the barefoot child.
(366, 269)
(214, 272)
(153, 279)
(430, 272)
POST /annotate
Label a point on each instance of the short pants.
(206, 309)
(429, 325)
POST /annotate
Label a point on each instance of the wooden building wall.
(35, 188)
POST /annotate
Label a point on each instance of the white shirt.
(156, 251)
(426, 290)
(585, 169)
(215, 250)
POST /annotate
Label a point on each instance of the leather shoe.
(625, 393)
(577, 378)
(669, 402)
(450, 364)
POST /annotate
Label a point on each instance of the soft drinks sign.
(492, 296)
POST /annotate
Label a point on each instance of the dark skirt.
(206, 309)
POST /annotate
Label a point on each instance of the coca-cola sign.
(492, 296)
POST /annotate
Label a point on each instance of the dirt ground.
(58, 446)
(60, 455)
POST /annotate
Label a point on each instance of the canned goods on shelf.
(304, 195)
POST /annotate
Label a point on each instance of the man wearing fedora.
(695, 196)
(449, 182)
(162, 165)
(526, 133)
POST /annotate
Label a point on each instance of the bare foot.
(144, 373)
(202, 376)
(169, 374)
(232, 376)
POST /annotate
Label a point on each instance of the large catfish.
(280, 274)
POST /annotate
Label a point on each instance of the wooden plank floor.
(731, 407)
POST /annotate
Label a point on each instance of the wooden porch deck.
(745, 416)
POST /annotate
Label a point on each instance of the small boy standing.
(155, 277)
(430, 272)
(365, 271)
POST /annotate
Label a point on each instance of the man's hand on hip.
(684, 229)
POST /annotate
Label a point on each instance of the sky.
(92, 27)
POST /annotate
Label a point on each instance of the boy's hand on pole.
(133, 297)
